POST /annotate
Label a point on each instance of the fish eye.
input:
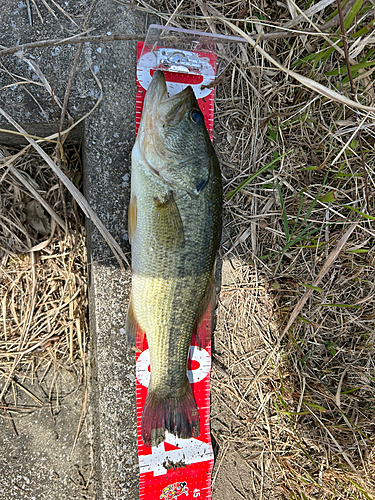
(197, 116)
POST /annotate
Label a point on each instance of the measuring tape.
(178, 467)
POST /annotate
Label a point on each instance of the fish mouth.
(168, 109)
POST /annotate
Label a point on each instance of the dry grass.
(299, 409)
(43, 287)
(43, 265)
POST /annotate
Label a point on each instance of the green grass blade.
(366, 495)
(366, 216)
(297, 216)
(344, 69)
(292, 413)
(364, 30)
(315, 406)
(352, 14)
(341, 305)
(316, 288)
(230, 195)
(315, 200)
(283, 212)
(360, 250)
(302, 235)
(329, 197)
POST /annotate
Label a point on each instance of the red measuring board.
(177, 81)
(178, 468)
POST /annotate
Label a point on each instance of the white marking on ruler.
(199, 355)
(190, 451)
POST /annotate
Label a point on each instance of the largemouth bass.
(174, 231)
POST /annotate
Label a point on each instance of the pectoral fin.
(167, 227)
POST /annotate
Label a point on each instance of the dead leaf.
(35, 216)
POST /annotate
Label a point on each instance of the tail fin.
(179, 416)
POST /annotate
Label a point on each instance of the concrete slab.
(108, 140)
(38, 463)
(32, 105)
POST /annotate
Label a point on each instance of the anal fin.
(132, 328)
(204, 322)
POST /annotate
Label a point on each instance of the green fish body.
(174, 230)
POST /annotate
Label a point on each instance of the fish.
(174, 227)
